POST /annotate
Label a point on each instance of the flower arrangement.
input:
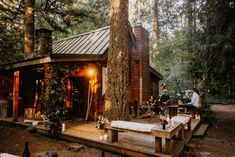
(101, 122)
(164, 116)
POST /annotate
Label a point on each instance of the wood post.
(68, 100)
(112, 136)
(16, 95)
(168, 146)
(158, 144)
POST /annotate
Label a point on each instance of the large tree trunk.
(116, 96)
(29, 27)
(155, 33)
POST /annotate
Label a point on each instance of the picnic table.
(152, 129)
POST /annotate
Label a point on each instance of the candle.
(63, 127)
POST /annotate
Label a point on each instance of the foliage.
(66, 17)
(215, 99)
(55, 100)
(168, 15)
(207, 115)
(173, 58)
(102, 11)
(214, 57)
(11, 35)
(173, 63)
(63, 17)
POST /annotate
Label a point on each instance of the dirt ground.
(219, 140)
(12, 141)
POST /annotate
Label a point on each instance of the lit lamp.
(91, 76)
(90, 72)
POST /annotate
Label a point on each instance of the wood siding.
(140, 64)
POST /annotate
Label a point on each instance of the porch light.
(90, 72)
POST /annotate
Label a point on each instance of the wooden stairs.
(201, 130)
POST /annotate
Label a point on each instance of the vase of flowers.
(101, 122)
(164, 116)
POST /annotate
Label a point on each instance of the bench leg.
(189, 125)
(158, 144)
(112, 136)
(168, 146)
(181, 134)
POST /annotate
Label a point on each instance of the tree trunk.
(190, 24)
(116, 96)
(29, 27)
(155, 33)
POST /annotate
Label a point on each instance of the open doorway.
(78, 97)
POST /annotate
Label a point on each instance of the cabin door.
(78, 95)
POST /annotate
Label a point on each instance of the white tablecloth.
(7, 155)
(181, 119)
(136, 126)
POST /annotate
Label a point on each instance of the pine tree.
(116, 96)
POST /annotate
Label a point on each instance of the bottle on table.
(26, 152)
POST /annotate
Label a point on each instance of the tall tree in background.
(214, 61)
(63, 17)
(11, 31)
(116, 96)
(191, 23)
(155, 33)
(29, 27)
(102, 11)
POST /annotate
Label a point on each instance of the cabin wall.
(140, 81)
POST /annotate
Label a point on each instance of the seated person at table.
(195, 100)
(151, 101)
(165, 97)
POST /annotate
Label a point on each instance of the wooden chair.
(172, 105)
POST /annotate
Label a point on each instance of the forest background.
(192, 41)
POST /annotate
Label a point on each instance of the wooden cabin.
(27, 80)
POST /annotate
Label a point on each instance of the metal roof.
(91, 43)
(94, 42)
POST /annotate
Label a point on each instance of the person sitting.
(165, 97)
(151, 101)
(195, 102)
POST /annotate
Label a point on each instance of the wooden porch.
(129, 143)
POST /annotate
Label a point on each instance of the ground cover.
(219, 140)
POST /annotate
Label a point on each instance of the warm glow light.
(91, 72)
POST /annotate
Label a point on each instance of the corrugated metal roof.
(94, 42)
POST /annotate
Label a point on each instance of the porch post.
(16, 95)
(68, 100)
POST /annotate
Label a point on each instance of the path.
(219, 140)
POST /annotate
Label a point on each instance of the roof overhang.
(51, 59)
(155, 73)
(25, 63)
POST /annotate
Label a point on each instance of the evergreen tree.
(215, 58)
(63, 17)
(116, 96)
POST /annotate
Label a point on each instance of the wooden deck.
(129, 143)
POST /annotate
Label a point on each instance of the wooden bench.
(156, 131)
(34, 122)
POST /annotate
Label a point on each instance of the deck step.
(200, 132)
